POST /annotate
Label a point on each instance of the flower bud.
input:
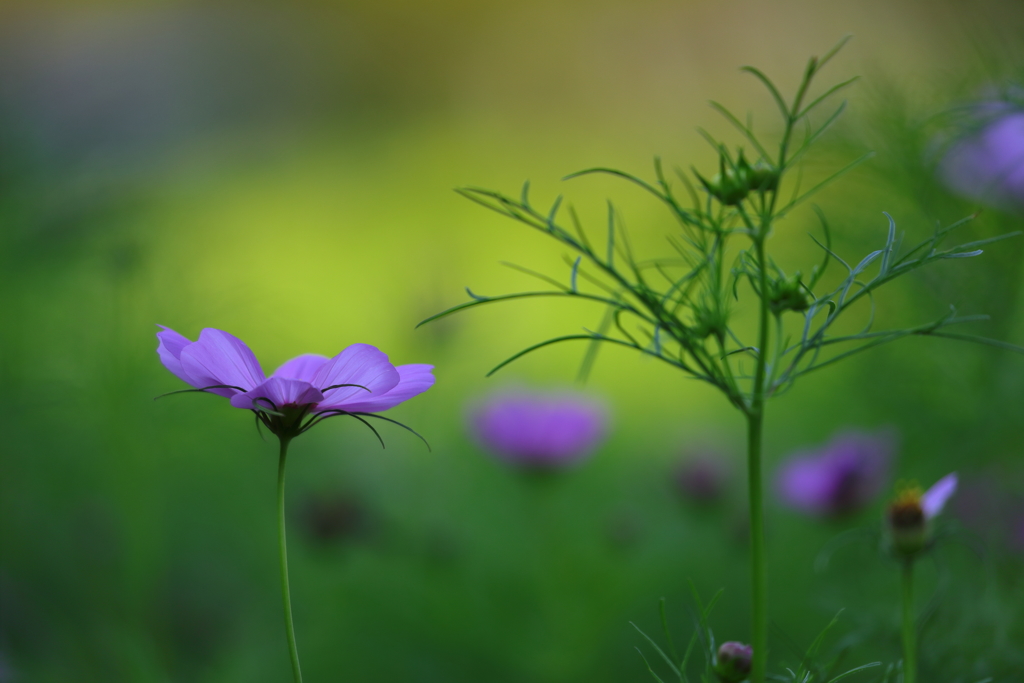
(909, 515)
(730, 187)
(908, 527)
(787, 294)
(734, 659)
(763, 178)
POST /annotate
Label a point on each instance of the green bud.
(730, 187)
(763, 178)
(733, 183)
(787, 294)
(708, 321)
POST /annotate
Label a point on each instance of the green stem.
(757, 569)
(282, 546)
(909, 630)
(755, 422)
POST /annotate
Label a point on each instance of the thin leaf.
(621, 174)
(820, 270)
(828, 93)
(810, 138)
(533, 273)
(648, 665)
(985, 341)
(590, 357)
(611, 234)
(828, 251)
(824, 183)
(865, 262)
(961, 254)
(771, 88)
(668, 633)
(579, 229)
(526, 295)
(553, 213)
(853, 671)
(890, 243)
(575, 271)
(747, 133)
(657, 649)
(832, 53)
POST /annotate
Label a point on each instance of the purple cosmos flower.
(541, 431)
(988, 165)
(703, 476)
(841, 478)
(911, 512)
(358, 381)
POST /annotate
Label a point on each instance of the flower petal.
(304, 367)
(220, 358)
(280, 392)
(169, 349)
(934, 499)
(360, 364)
(413, 380)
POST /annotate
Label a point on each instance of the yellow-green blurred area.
(284, 171)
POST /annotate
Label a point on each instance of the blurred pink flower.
(539, 430)
(703, 476)
(988, 164)
(843, 477)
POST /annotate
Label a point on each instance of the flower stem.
(759, 592)
(283, 551)
(755, 424)
(909, 630)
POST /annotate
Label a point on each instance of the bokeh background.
(284, 171)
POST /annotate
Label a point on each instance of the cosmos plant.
(908, 526)
(359, 382)
(678, 308)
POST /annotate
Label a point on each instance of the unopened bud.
(907, 524)
(730, 187)
(763, 178)
(734, 660)
(787, 294)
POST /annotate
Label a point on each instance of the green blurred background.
(284, 171)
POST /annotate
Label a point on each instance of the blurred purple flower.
(841, 478)
(358, 380)
(988, 164)
(703, 476)
(540, 431)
